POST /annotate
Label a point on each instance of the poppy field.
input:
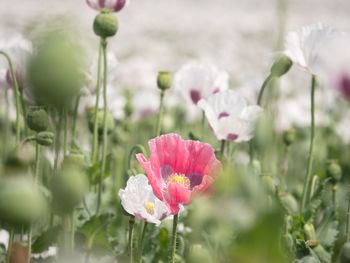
(167, 149)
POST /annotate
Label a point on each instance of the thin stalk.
(160, 113)
(263, 88)
(105, 136)
(348, 221)
(173, 241)
(57, 141)
(222, 149)
(65, 133)
(334, 196)
(37, 162)
(9, 247)
(142, 241)
(75, 117)
(130, 239)
(137, 148)
(98, 88)
(29, 255)
(72, 237)
(305, 194)
(17, 95)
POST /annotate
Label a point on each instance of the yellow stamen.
(179, 179)
(149, 206)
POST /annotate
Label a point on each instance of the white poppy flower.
(334, 66)
(229, 116)
(139, 200)
(145, 103)
(303, 46)
(196, 81)
(19, 49)
(4, 238)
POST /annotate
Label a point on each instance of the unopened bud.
(164, 80)
(334, 170)
(281, 66)
(289, 137)
(309, 231)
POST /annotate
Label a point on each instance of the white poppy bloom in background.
(19, 49)
(145, 103)
(334, 66)
(196, 81)
(4, 238)
(229, 116)
(50, 252)
(139, 200)
(303, 46)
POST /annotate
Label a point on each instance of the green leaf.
(46, 239)
(328, 234)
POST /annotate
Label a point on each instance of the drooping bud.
(37, 119)
(289, 203)
(45, 138)
(281, 66)
(100, 116)
(334, 170)
(289, 136)
(105, 25)
(164, 80)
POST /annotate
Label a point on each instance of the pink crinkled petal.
(176, 194)
(153, 179)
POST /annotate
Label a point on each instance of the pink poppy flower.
(110, 5)
(178, 168)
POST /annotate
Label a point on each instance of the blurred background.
(238, 36)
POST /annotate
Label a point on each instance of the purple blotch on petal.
(195, 96)
(232, 137)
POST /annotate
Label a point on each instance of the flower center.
(149, 206)
(179, 179)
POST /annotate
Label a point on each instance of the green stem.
(173, 241)
(9, 247)
(17, 95)
(136, 149)
(75, 117)
(222, 149)
(37, 162)
(142, 241)
(160, 113)
(72, 237)
(65, 134)
(29, 255)
(57, 141)
(105, 136)
(98, 90)
(305, 194)
(348, 221)
(131, 237)
(263, 88)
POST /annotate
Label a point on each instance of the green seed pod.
(334, 170)
(345, 253)
(289, 203)
(76, 159)
(56, 71)
(164, 80)
(100, 115)
(269, 184)
(289, 137)
(68, 189)
(281, 66)
(105, 25)
(21, 202)
(37, 119)
(45, 138)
